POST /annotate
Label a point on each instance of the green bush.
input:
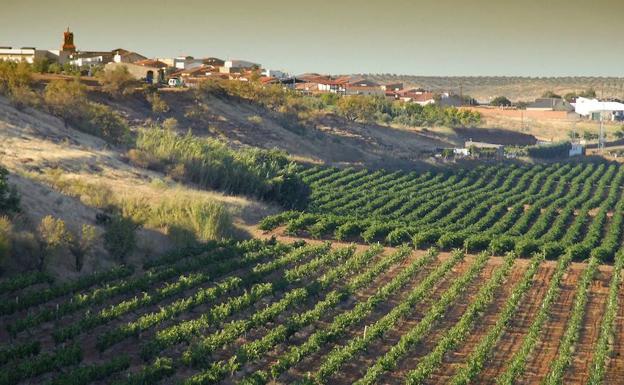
(120, 237)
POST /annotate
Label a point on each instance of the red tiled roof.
(151, 63)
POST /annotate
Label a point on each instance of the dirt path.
(538, 365)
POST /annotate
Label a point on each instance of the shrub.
(66, 99)
(267, 174)
(108, 124)
(23, 96)
(502, 245)
(120, 237)
(159, 106)
(118, 81)
(54, 236)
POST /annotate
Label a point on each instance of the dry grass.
(33, 143)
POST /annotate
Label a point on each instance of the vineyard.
(555, 208)
(259, 312)
(491, 275)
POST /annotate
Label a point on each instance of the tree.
(82, 245)
(9, 198)
(501, 101)
(120, 237)
(66, 99)
(41, 65)
(550, 94)
(108, 124)
(588, 93)
(54, 236)
(118, 81)
(587, 135)
(356, 108)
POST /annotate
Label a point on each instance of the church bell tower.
(68, 42)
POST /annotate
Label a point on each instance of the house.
(550, 104)
(238, 66)
(146, 73)
(364, 87)
(90, 58)
(417, 95)
(595, 109)
(392, 87)
(274, 74)
(26, 54)
(124, 56)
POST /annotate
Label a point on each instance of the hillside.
(484, 88)
(43, 155)
(326, 138)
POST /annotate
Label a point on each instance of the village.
(180, 72)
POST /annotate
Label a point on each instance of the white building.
(594, 109)
(274, 74)
(27, 54)
(231, 66)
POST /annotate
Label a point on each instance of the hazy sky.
(434, 37)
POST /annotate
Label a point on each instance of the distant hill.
(516, 88)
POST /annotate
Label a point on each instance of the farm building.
(550, 104)
(595, 109)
